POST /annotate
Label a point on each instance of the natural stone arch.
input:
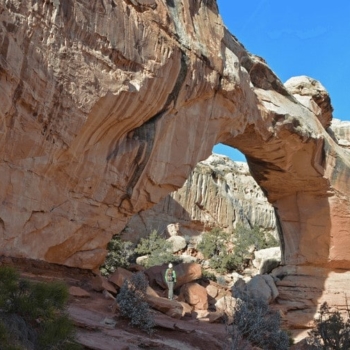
(99, 122)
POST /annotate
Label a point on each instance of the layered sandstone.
(341, 132)
(107, 106)
(218, 193)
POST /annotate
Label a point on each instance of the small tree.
(332, 332)
(132, 304)
(120, 253)
(158, 249)
(32, 315)
(246, 238)
(213, 243)
(216, 245)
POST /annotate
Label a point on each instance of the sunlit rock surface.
(341, 130)
(106, 108)
(219, 193)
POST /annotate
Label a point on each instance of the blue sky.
(296, 37)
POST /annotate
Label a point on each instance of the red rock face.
(106, 107)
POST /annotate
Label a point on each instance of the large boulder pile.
(195, 297)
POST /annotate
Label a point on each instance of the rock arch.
(104, 113)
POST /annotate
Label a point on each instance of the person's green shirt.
(170, 275)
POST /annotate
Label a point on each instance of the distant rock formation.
(341, 130)
(218, 193)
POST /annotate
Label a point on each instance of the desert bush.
(224, 262)
(331, 331)
(256, 324)
(213, 243)
(206, 275)
(132, 304)
(32, 315)
(157, 248)
(214, 246)
(247, 239)
(6, 340)
(120, 254)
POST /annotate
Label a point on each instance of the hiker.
(170, 279)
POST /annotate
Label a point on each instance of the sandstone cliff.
(218, 193)
(341, 130)
(107, 106)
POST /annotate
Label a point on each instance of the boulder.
(140, 260)
(226, 305)
(171, 308)
(265, 260)
(187, 309)
(173, 229)
(185, 258)
(216, 317)
(185, 272)
(100, 283)
(268, 266)
(312, 94)
(236, 276)
(263, 286)
(200, 314)
(151, 292)
(239, 288)
(178, 243)
(267, 253)
(194, 295)
(136, 268)
(212, 291)
(155, 275)
(119, 276)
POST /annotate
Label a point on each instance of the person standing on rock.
(170, 279)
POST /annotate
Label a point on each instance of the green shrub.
(331, 332)
(224, 262)
(58, 333)
(132, 304)
(254, 323)
(6, 339)
(213, 243)
(120, 253)
(214, 246)
(206, 275)
(153, 242)
(158, 250)
(247, 238)
(33, 314)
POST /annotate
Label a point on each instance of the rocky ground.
(101, 328)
